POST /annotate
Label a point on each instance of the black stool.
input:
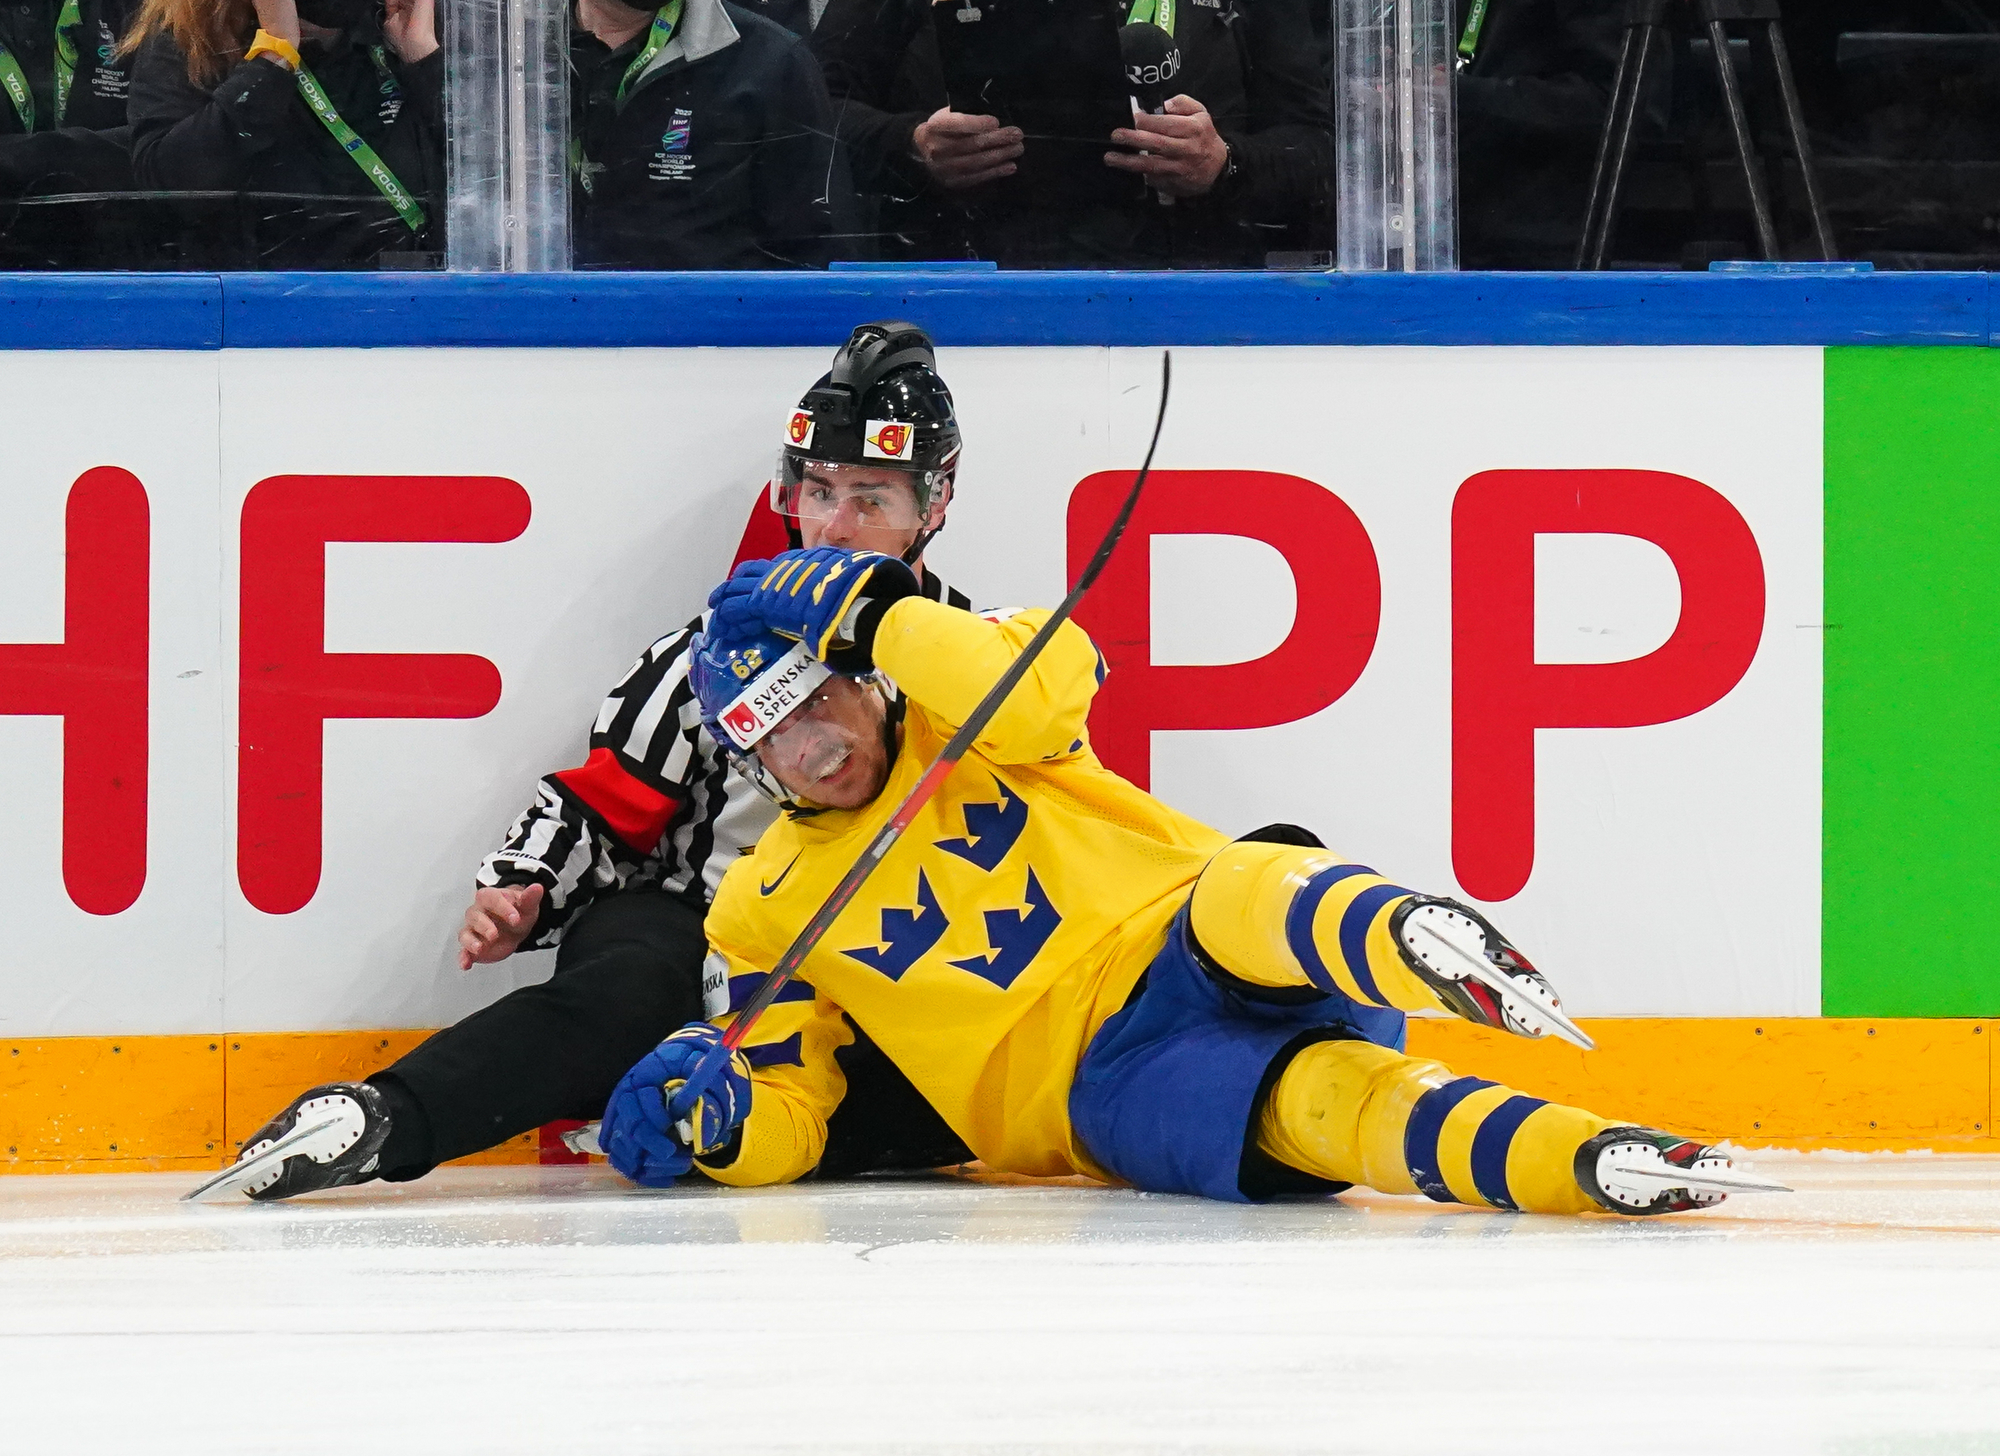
(1643, 20)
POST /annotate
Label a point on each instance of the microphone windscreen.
(1152, 64)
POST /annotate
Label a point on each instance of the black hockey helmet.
(881, 405)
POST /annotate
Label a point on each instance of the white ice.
(556, 1310)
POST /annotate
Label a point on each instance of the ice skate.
(1458, 954)
(1639, 1170)
(329, 1137)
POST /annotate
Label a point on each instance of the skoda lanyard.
(1155, 12)
(1468, 43)
(15, 81)
(666, 20)
(372, 166)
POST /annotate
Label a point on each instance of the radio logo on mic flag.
(1152, 64)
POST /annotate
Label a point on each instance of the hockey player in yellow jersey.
(1079, 978)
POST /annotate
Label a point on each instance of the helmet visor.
(813, 742)
(871, 497)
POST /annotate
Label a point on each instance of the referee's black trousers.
(628, 972)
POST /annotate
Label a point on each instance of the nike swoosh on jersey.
(764, 889)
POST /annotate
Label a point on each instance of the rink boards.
(1679, 658)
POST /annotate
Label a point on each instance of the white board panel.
(1676, 867)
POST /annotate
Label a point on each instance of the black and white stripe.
(651, 723)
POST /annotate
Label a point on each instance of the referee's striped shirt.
(655, 804)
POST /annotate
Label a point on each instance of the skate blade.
(584, 1140)
(236, 1175)
(1734, 1181)
(1496, 981)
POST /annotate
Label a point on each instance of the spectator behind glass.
(1530, 110)
(219, 102)
(1245, 151)
(65, 56)
(62, 121)
(703, 139)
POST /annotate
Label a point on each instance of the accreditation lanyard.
(372, 166)
(1468, 42)
(666, 20)
(1153, 12)
(14, 80)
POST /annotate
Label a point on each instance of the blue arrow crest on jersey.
(907, 935)
(990, 830)
(1016, 937)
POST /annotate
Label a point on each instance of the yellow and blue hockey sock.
(1354, 1112)
(1285, 919)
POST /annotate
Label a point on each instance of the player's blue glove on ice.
(641, 1135)
(831, 600)
(734, 617)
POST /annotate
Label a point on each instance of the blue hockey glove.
(831, 600)
(730, 602)
(644, 1139)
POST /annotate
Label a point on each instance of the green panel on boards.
(1912, 765)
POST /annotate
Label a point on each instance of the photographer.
(336, 102)
(704, 140)
(1244, 149)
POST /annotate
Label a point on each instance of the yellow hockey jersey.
(1006, 925)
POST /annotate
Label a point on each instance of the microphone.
(1152, 61)
(1152, 64)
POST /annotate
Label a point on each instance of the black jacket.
(255, 134)
(1253, 63)
(98, 89)
(721, 156)
(87, 154)
(1530, 110)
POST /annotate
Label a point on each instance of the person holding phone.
(337, 102)
(1241, 144)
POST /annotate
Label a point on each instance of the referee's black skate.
(329, 1137)
(1475, 970)
(1641, 1170)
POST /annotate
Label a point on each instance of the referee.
(615, 861)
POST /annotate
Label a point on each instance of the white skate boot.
(329, 1137)
(1640, 1170)
(1457, 953)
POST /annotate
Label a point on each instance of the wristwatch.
(1226, 179)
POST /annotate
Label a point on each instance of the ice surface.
(557, 1310)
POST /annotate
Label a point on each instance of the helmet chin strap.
(929, 533)
(917, 546)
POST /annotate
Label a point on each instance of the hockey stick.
(934, 776)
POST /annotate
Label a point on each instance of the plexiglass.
(1397, 209)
